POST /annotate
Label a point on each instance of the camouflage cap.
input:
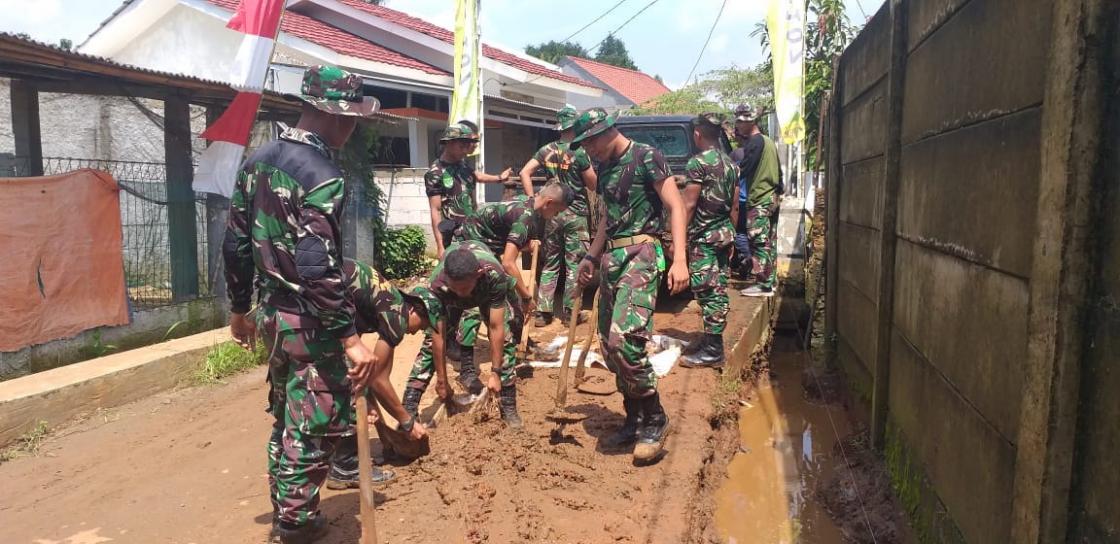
(745, 112)
(709, 118)
(473, 126)
(458, 131)
(590, 123)
(335, 91)
(433, 307)
(566, 118)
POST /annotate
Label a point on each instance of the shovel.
(559, 414)
(598, 386)
(523, 347)
(365, 473)
(401, 443)
(590, 339)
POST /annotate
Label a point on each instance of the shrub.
(402, 252)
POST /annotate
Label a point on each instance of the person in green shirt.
(567, 235)
(761, 180)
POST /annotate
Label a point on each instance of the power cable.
(864, 13)
(596, 20)
(706, 41)
(615, 31)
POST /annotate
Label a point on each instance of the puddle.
(786, 446)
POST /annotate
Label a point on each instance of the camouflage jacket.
(284, 232)
(378, 305)
(717, 177)
(514, 222)
(454, 184)
(567, 167)
(492, 291)
(627, 186)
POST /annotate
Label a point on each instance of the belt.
(632, 241)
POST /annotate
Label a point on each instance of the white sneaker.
(756, 291)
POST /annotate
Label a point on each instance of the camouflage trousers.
(423, 370)
(762, 227)
(566, 240)
(630, 278)
(309, 399)
(707, 268)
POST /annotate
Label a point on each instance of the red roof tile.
(442, 34)
(637, 87)
(320, 33)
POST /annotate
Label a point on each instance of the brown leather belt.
(632, 241)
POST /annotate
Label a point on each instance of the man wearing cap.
(568, 234)
(635, 184)
(450, 183)
(284, 235)
(507, 228)
(381, 308)
(760, 190)
(470, 277)
(712, 178)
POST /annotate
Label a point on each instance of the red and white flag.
(259, 21)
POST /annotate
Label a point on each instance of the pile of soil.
(859, 497)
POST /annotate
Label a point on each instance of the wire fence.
(145, 227)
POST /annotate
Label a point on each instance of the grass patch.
(725, 398)
(28, 444)
(227, 359)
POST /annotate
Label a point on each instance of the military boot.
(710, 354)
(628, 432)
(694, 347)
(507, 405)
(654, 430)
(411, 401)
(307, 533)
(468, 372)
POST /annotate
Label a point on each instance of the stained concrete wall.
(963, 223)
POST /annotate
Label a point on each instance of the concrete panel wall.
(861, 197)
(864, 127)
(856, 311)
(867, 57)
(859, 265)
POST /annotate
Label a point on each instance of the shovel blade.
(402, 443)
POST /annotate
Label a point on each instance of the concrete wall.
(941, 107)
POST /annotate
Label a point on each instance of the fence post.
(217, 215)
(833, 185)
(892, 158)
(25, 125)
(1065, 259)
(182, 232)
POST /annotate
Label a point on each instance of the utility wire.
(615, 31)
(706, 41)
(864, 13)
(596, 20)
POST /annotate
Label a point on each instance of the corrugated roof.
(637, 87)
(445, 35)
(336, 39)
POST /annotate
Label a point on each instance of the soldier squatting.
(599, 225)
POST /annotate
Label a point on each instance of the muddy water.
(786, 446)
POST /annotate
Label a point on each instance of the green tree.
(613, 52)
(65, 44)
(719, 90)
(552, 51)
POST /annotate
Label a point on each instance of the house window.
(390, 98)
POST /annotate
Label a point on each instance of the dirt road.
(189, 467)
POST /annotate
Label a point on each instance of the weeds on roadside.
(725, 398)
(28, 444)
(226, 359)
(96, 347)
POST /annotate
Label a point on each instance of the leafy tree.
(552, 51)
(614, 52)
(719, 90)
(66, 44)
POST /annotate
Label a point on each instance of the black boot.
(411, 400)
(628, 432)
(303, 534)
(507, 405)
(654, 430)
(710, 354)
(468, 372)
(542, 319)
(695, 347)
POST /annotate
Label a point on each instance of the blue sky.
(663, 40)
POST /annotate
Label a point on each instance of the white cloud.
(15, 13)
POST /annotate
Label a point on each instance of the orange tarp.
(61, 269)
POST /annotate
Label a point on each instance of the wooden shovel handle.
(591, 322)
(528, 327)
(573, 320)
(365, 473)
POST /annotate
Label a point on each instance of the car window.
(673, 141)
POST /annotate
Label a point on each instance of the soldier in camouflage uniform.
(381, 308)
(635, 185)
(567, 235)
(450, 184)
(284, 234)
(469, 276)
(506, 228)
(709, 197)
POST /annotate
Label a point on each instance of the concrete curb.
(58, 395)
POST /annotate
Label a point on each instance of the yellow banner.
(785, 23)
(466, 100)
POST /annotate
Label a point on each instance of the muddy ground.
(189, 467)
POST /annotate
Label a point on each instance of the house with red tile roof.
(623, 88)
(406, 62)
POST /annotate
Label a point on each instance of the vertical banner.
(466, 100)
(785, 23)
